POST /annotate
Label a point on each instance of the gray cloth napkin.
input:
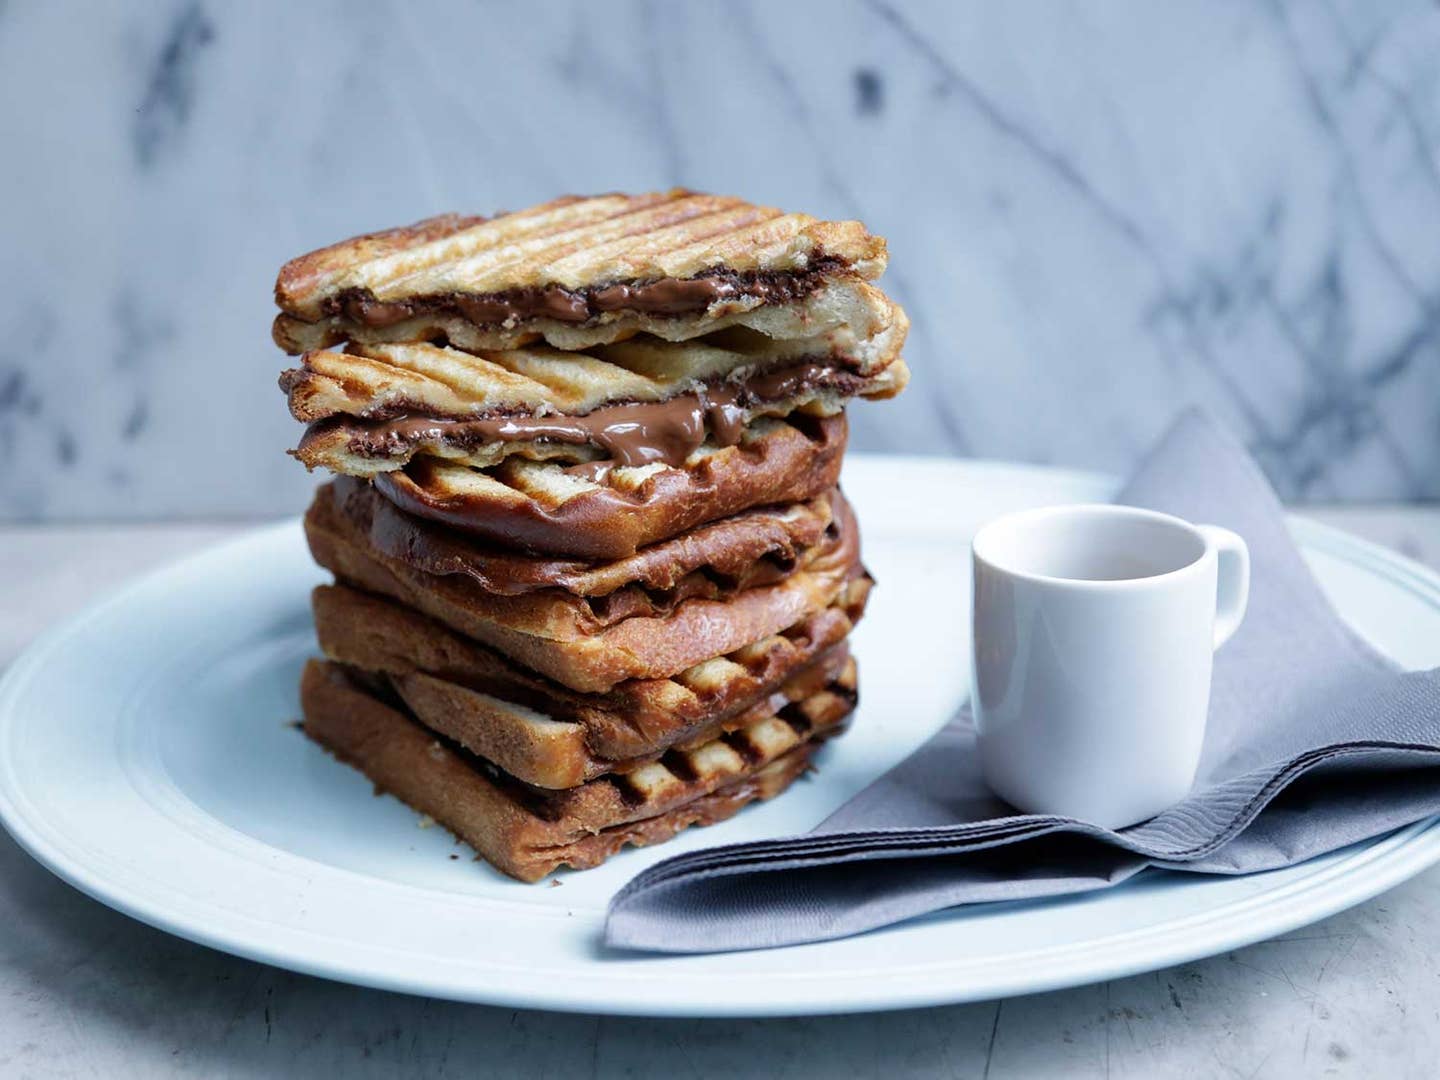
(1314, 741)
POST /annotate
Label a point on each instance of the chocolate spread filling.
(754, 556)
(626, 434)
(665, 296)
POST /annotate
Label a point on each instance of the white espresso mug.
(1094, 634)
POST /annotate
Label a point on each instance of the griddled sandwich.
(577, 272)
(617, 329)
(593, 573)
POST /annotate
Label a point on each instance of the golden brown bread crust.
(852, 309)
(756, 546)
(559, 614)
(584, 657)
(310, 274)
(539, 507)
(366, 448)
(378, 381)
(573, 243)
(550, 754)
(528, 834)
(439, 673)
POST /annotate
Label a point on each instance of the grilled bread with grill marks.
(527, 833)
(542, 506)
(578, 272)
(584, 649)
(549, 735)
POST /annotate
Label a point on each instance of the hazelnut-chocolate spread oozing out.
(666, 296)
(628, 434)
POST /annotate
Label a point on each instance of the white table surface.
(85, 991)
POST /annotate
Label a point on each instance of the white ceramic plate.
(147, 757)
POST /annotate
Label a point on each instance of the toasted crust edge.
(402, 758)
(302, 275)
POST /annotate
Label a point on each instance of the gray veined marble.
(1098, 213)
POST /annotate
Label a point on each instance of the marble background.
(1097, 213)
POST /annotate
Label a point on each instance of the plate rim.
(1336, 886)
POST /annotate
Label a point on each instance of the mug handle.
(1232, 590)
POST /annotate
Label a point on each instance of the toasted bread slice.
(754, 547)
(528, 833)
(557, 613)
(371, 416)
(551, 736)
(575, 272)
(610, 514)
(558, 635)
(384, 381)
(534, 748)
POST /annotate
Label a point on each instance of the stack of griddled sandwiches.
(593, 572)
